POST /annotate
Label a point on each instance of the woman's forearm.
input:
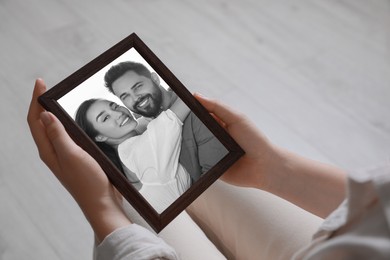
(316, 187)
(104, 217)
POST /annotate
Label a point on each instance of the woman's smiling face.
(111, 120)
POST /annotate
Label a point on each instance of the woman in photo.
(150, 160)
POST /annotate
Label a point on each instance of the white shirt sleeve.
(134, 242)
(164, 134)
(359, 227)
(154, 155)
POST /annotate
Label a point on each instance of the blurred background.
(313, 75)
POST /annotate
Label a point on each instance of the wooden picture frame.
(52, 100)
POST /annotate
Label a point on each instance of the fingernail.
(199, 95)
(38, 80)
(46, 119)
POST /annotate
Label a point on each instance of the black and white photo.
(158, 145)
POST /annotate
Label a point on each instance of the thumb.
(56, 133)
(222, 111)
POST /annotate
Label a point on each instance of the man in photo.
(141, 92)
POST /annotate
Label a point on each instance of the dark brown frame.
(157, 221)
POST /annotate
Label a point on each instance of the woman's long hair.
(86, 126)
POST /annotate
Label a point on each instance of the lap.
(183, 234)
(248, 223)
(236, 223)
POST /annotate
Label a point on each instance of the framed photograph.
(157, 144)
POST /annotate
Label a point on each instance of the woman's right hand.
(260, 155)
(313, 186)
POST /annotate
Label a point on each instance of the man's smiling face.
(139, 93)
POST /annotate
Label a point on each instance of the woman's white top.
(154, 158)
(134, 242)
(360, 227)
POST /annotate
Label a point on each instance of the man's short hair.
(117, 71)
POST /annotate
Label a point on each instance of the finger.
(35, 109)
(37, 129)
(57, 135)
(219, 121)
(223, 112)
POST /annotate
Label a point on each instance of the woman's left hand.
(78, 172)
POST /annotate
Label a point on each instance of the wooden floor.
(313, 75)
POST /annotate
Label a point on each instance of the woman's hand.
(311, 185)
(78, 172)
(260, 156)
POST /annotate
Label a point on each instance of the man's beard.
(153, 108)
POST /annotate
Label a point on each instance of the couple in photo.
(161, 153)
